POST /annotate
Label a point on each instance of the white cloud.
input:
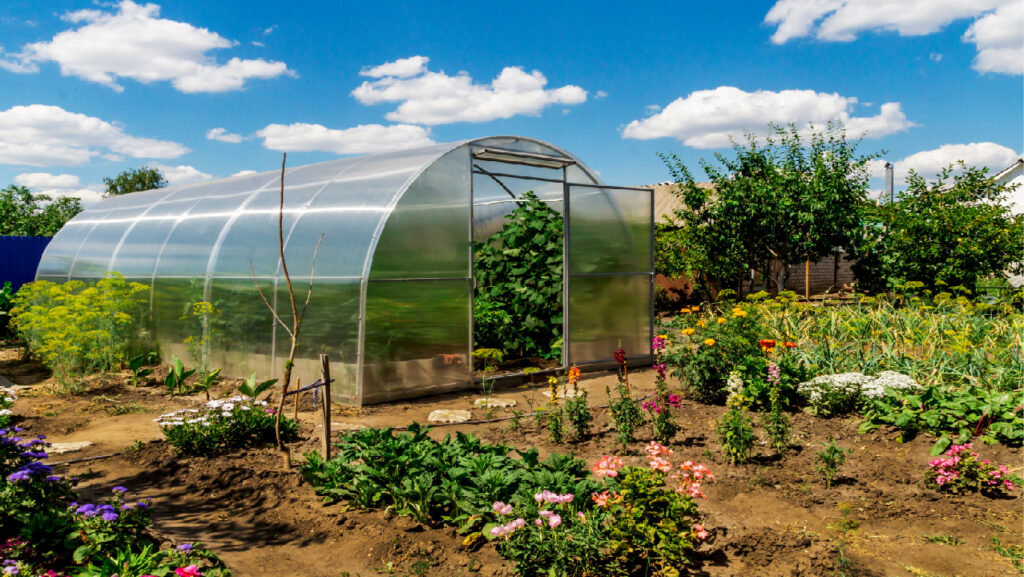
(929, 163)
(40, 135)
(935, 57)
(356, 140)
(600, 94)
(401, 68)
(268, 31)
(37, 180)
(181, 174)
(999, 37)
(245, 172)
(135, 43)
(223, 135)
(998, 31)
(708, 118)
(437, 98)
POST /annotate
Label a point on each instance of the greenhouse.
(393, 283)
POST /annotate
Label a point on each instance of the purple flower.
(52, 479)
(19, 475)
(119, 490)
(110, 516)
(87, 510)
(185, 547)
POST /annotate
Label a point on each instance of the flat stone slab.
(449, 416)
(563, 394)
(61, 448)
(347, 426)
(494, 403)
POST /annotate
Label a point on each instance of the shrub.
(7, 398)
(518, 302)
(576, 408)
(76, 328)
(6, 298)
(775, 422)
(737, 434)
(960, 471)
(831, 395)
(222, 425)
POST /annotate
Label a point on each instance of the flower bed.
(224, 424)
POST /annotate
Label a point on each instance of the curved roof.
(221, 228)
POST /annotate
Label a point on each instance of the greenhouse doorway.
(549, 255)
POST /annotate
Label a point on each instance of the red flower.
(620, 356)
(790, 345)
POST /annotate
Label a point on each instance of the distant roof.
(1011, 172)
(665, 202)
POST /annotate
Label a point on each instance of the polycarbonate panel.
(240, 329)
(427, 234)
(93, 256)
(610, 230)
(331, 327)
(491, 202)
(171, 302)
(55, 263)
(417, 338)
(607, 310)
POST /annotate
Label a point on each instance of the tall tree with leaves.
(789, 200)
(954, 229)
(135, 180)
(23, 213)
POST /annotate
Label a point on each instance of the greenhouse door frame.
(544, 161)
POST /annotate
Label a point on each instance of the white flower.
(5, 412)
(244, 407)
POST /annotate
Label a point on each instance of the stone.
(449, 416)
(347, 426)
(61, 448)
(494, 403)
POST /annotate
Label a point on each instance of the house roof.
(666, 202)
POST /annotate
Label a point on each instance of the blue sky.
(207, 89)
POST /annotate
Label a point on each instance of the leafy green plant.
(1015, 553)
(205, 382)
(76, 328)
(961, 471)
(626, 414)
(489, 357)
(223, 425)
(563, 544)
(518, 303)
(651, 528)
(556, 427)
(176, 377)
(776, 422)
(23, 213)
(6, 301)
(830, 459)
(950, 540)
(736, 433)
(251, 388)
(137, 365)
(577, 408)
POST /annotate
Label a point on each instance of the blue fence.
(19, 257)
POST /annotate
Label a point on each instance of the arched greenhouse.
(393, 284)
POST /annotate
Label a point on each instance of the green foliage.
(25, 214)
(6, 302)
(575, 548)
(670, 250)
(789, 199)
(956, 231)
(205, 382)
(148, 560)
(137, 365)
(518, 304)
(961, 471)
(830, 459)
(776, 422)
(224, 425)
(651, 526)
(951, 413)
(134, 180)
(626, 414)
(1015, 553)
(737, 434)
(490, 358)
(251, 388)
(556, 428)
(454, 481)
(577, 411)
(76, 328)
(177, 374)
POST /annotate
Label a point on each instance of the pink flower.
(675, 401)
(583, 518)
(554, 520)
(660, 464)
(501, 508)
(660, 369)
(699, 532)
(607, 466)
(545, 513)
(498, 531)
(656, 449)
(519, 523)
(190, 571)
(600, 499)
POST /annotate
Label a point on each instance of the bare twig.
(265, 301)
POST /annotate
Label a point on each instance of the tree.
(25, 214)
(786, 201)
(949, 231)
(134, 180)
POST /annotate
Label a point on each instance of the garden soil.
(772, 517)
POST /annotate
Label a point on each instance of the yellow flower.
(738, 312)
(721, 320)
(701, 323)
(694, 309)
(709, 342)
(689, 331)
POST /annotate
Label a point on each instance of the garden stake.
(295, 404)
(325, 404)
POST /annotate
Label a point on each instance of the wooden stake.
(295, 405)
(325, 404)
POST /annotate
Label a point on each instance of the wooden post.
(807, 279)
(325, 404)
(295, 405)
